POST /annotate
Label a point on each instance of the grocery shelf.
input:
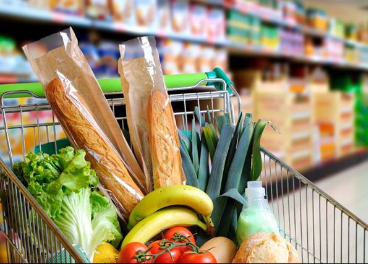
(248, 9)
(43, 15)
(22, 12)
(249, 50)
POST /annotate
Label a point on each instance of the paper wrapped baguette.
(79, 125)
(266, 248)
(164, 141)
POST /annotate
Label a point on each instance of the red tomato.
(159, 246)
(191, 257)
(170, 235)
(129, 253)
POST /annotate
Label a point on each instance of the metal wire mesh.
(320, 228)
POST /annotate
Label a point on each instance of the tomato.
(129, 253)
(191, 257)
(170, 235)
(159, 246)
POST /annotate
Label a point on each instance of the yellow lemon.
(106, 253)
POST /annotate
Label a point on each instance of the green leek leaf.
(214, 183)
(188, 168)
(256, 149)
(195, 157)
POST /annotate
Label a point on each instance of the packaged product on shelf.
(151, 121)
(145, 13)
(317, 19)
(198, 20)
(191, 54)
(91, 53)
(220, 59)
(256, 216)
(98, 9)
(38, 4)
(66, 6)
(180, 16)
(163, 17)
(109, 56)
(205, 59)
(216, 25)
(80, 106)
(123, 11)
(171, 52)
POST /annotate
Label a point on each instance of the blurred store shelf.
(28, 13)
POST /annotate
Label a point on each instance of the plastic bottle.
(256, 216)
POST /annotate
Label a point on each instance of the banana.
(169, 196)
(161, 220)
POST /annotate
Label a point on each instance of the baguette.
(84, 133)
(164, 141)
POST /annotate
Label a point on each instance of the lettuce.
(66, 188)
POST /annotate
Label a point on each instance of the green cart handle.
(114, 85)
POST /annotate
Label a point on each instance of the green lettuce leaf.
(65, 186)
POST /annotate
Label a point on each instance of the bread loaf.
(266, 248)
(84, 133)
(164, 141)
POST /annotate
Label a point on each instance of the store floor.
(349, 188)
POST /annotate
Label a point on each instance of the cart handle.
(114, 85)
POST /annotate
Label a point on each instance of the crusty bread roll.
(164, 141)
(84, 133)
(266, 248)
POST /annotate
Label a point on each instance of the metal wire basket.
(320, 228)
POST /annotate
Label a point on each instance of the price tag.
(58, 17)
(119, 27)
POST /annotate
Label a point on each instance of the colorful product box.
(216, 25)
(198, 20)
(123, 11)
(146, 13)
(180, 17)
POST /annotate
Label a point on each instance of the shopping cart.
(320, 228)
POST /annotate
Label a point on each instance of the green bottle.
(256, 216)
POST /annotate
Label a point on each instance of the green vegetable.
(66, 188)
(195, 156)
(256, 149)
(218, 165)
(188, 168)
(222, 120)
(211, 139)
(203, 166)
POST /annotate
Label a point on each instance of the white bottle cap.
(255, 189)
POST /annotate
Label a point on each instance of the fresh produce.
(180, 235)
(161, 220)
(169, 196)
(66, 188)
(169, 249)
(266, 248)
(201, 257)
(135, 252)
(168, 256)
(222, 248)
(234, 153)
(106, 253)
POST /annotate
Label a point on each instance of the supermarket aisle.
(349, 188)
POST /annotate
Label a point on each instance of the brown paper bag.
(80, 106)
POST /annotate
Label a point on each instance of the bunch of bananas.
(176, 205)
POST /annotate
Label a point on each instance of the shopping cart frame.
(285, 188)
